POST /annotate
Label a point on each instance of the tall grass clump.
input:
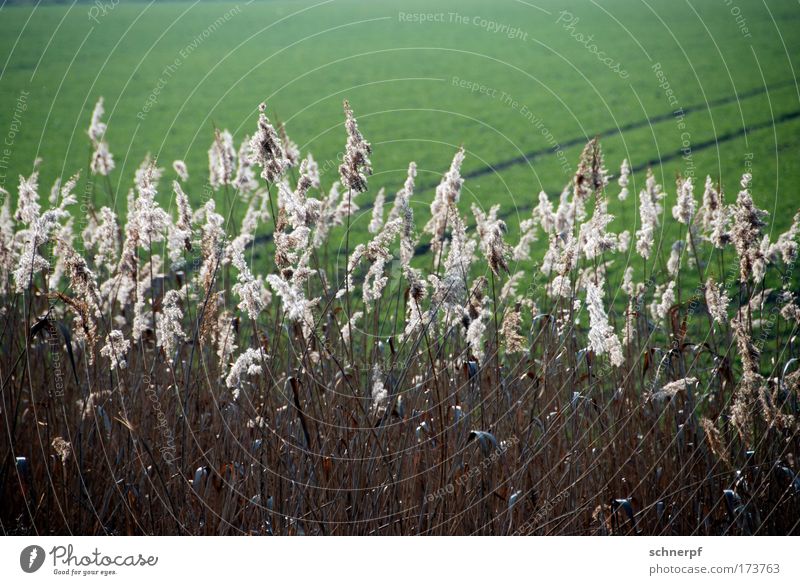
(164, 373)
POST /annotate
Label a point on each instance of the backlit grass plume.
(230, 364)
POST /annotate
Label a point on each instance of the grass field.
(165, 371)
(419, 88)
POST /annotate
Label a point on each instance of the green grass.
(304, 58)
(588, 432)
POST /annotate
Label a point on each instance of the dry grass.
(441, 400)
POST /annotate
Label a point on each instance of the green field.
(308, 392)
(540, 82)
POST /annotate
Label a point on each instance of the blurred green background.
(520, 84)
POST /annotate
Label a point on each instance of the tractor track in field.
(727, 136)
(581, 140)
(529, 157)
(697, 146)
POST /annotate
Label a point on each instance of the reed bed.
(166, 373)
